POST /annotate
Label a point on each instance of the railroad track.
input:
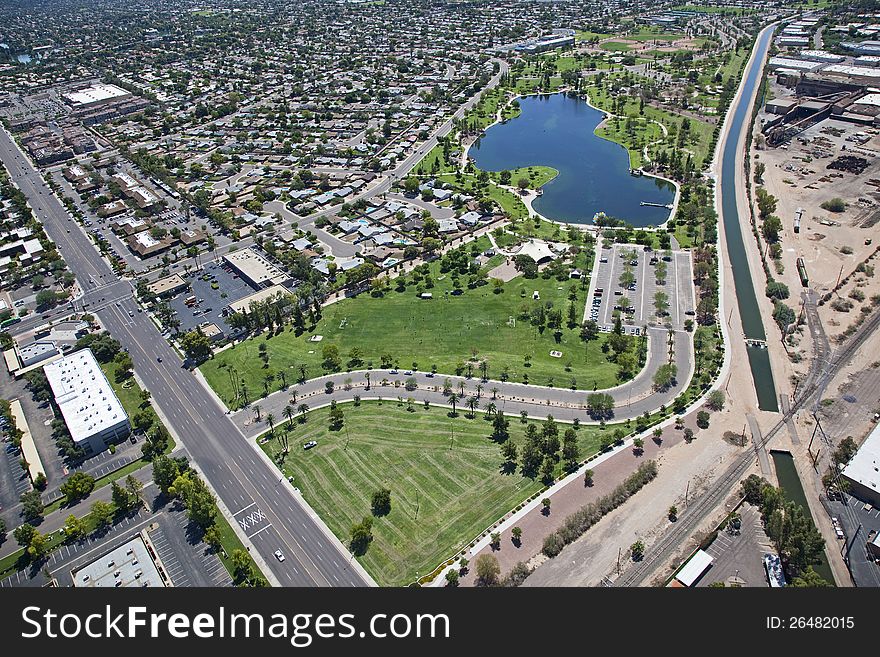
(702, 506)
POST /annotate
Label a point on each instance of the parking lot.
(738, 556)
(857, 523)
(210, 300)
(186, 559)
(636, 300)
(71, 556)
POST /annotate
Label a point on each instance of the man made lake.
(557, 131)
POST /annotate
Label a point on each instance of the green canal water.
(793, 491)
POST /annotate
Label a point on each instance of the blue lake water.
(557, 131)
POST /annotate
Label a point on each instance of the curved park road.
(631, 399)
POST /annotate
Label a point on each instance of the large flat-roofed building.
(92, 412)
(256, 270)
(94, 95)
(863, 470)
(129, 565)
(168, 285)
(244, 304)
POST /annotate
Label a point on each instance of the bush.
(834, 205)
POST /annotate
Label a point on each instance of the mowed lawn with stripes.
(444, 474)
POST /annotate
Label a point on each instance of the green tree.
(196, 345)
(810, 579)
(32, 505)
(337, 418)
(165, 471)
(716, 400)
(77, 486)
(487, 570)
(380, 503)
(361, 536)
(74, 528)
(121, 497)
(102, 514)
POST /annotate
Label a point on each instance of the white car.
(279, 555)
(310, 444)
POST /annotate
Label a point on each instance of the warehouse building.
(91, 410)
(95, 95)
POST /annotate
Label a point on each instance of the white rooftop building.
(863, 470)
(97, 93)
(92, 412)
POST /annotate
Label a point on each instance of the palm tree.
(453, 398)
(270, 420)
(303, 371)
(244, 393)
(303, 409)
(491, 409)
(473, 404)
(288, 413)
(283, 377)
(367, 377)
(479, 390)
(461, 387)
(257, 410)
(293, 396)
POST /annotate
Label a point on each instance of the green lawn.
(589, 36)
(443, 331)
(616, 46)
(509, 202)
(434, 163)
(444, 475)
(537, 175)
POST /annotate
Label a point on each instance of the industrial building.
(91, 410)
(863, 471)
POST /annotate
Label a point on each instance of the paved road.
(631, 399)
(272, 515)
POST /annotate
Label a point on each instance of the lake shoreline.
(531, 195)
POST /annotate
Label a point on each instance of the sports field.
(445, 477)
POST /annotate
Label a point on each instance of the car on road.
(279, 555)
(310, 444)
(407, 373)
(158, 359)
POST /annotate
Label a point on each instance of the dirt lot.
(797, 175)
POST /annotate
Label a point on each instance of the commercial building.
(168, 286)
(244, 304)
(863, 470)
(37, 352)
(91, 410)
(97, 94)
(255, 269)
(130, 565)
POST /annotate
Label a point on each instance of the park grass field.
(537, 175)
(581, 35)
(616, 46)
(444, 474)
(443, 331)
(509, 202)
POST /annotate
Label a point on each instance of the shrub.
(834, 205)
